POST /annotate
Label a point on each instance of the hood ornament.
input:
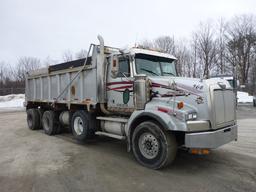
(199, 100)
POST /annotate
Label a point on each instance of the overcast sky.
(42, 28)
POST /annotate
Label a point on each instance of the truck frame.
(133, 95)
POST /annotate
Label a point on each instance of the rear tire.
(152, 147)
(83, 125)
(50, 123)
(33, 119)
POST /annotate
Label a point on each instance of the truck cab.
(200, 113)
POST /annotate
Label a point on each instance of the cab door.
(120, 85)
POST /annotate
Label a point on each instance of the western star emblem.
(126, 96)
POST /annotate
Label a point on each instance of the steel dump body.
(53, 84)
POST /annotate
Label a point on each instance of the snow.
(12, 101)
(244, 97)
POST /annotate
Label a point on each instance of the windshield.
(154, 66)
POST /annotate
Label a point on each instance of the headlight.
(191, 116)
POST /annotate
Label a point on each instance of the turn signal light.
(180, 105)
(199, 151)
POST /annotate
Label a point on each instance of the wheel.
(50, 123)
(152, 147)
(83, 125)
(254, 102)
(33, 119)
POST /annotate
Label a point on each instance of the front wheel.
(152, 147)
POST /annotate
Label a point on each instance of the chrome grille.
(224, 107)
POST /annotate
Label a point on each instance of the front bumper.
(211, 139)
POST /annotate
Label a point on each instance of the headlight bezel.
(191, 116)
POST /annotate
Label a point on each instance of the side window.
(124, 68)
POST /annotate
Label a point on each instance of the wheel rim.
(78, 125)
(46, 124)
(29, 120)
(148, 145)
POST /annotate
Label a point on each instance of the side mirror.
(114, 66)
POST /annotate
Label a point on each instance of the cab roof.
(134, 51)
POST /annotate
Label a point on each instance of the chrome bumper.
(211, 139)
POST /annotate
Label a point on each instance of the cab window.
(124, 68)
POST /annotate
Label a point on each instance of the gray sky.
(42, 28)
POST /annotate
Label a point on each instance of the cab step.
(110, 135)
(115, 119)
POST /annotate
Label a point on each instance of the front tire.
(152, 147)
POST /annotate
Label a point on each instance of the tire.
(254, 102)
(33, 119)
(152, 147)
(50, 123)
(83, 125)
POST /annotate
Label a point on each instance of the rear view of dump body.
(51, 84)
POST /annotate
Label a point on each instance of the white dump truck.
(133, 95)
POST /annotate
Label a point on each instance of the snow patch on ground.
(12, 101)
(244, 97)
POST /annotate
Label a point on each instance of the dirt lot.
(33, 161)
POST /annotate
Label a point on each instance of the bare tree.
(49, 61)
(81, 54)
(222, 65)
(206, 47)
(24, 65)
(241, 42)
(184, 58)
(3, 71)
(165, 44)
(146, 44)
(194, 55)
(67, 56)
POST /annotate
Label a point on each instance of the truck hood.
(197, 95)
(171, 86)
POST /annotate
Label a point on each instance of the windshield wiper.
(169, 73)
(152, 72)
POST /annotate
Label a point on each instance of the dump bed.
(54, 84)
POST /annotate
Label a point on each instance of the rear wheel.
(82, 125)
(33, 119)
(152, 147)
(50, 123)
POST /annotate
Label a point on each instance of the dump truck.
(134, 95)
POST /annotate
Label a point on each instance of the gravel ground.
(33, 161)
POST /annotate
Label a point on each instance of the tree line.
(220, 47)
(12, 77)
